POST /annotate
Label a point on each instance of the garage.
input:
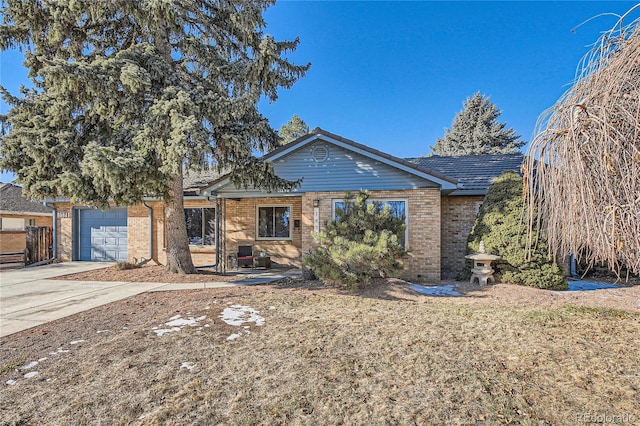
(103, 234)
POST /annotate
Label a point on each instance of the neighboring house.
(16, 213)
(432, 197)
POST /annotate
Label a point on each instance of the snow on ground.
(188, 365)
(238, 315)
(589, 285)
(177, 323)
(437, 290)
(458, 289)
(30, 365)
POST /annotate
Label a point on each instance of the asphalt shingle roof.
(11, 200)
(474, 172)
(193, 181)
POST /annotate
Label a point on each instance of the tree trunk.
(178, 254)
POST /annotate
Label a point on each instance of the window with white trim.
(201, 226)
(273, 222)
(398, 209)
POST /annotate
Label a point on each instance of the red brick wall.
(458, 216)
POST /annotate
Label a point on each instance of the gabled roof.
(355, 146)
(474, 172)
(12, 201)
(446, 183)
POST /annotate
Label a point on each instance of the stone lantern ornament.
(482, 270)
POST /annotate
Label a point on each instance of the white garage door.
(103, 235)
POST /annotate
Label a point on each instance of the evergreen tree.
(364, 241)
(127, 95)
(501, 225)
(292, 130)
(475, 130)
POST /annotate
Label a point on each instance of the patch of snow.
(30, 374)
(178, 321)
(163, 331)
(271, 308)
(11, 382)
(589, 285)
(59, 351)
(75, 342)
(188, 365)
(234, 336)
(30, 365)
(437, 290)
(238, 315)
(102, 331)
(43, 359)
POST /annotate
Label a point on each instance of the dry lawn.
(383, 356)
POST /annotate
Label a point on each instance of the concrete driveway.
(31, 296)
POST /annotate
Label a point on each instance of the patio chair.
(245, 256)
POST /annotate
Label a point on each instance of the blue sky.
(393, 74)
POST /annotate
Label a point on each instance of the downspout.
(150, 210)
(54, 239)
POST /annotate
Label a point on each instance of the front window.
(14, 224)
(201, 226)
(274, 222)
(398, 209)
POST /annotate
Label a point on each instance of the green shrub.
(363, 242)
(501, 225)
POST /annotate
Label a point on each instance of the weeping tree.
(127, 96)
(583, 172)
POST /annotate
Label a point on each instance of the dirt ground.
(297, 352)
(627, 298)
(158, 274)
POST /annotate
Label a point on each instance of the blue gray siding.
(343, 170)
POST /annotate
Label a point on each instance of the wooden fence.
(39, 244)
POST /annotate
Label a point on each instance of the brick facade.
(423, 210)
(16, 241)
(427, 231)
(458, 216)
(241, 229)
